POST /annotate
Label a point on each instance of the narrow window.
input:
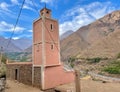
(52, 47)
(47, 12)
(51, 26)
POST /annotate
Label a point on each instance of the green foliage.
(94, 60)
(111, 30)
(18, 56)
(71, 60)
(23, 59)
(113, 68)
(4, 58)
(2, 70)
(118, 56)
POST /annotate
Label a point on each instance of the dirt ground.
(14, 86)
(87, 85)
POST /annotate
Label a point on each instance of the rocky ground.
(2, 84)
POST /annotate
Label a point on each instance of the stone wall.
(37, 77)
(20, 72)
(24, 74)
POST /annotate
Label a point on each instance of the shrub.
(94, 60)
(118, 56)
(113, 68)
(2, 70)
(71, 60)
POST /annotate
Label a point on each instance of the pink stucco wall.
(55, 76)
(51, 37)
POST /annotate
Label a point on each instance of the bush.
(113, 68)
(2, 70)
(71, 60)
(118, 56)
(94, 60)
(4, 59)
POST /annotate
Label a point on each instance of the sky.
(71, 14)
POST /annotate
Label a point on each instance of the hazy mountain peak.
(66, 34)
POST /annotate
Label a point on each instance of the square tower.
(46, 40)
(47, 69)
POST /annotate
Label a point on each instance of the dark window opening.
(52, 47)
(16, 74)
(47, 12)
(51, 26)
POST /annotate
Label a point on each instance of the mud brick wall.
(24, 73)
(37, 77)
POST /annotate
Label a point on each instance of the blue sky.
(71, 14)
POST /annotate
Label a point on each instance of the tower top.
(45, 5)
(45, 12)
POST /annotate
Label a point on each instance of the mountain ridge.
(87, 35)
(13, 47)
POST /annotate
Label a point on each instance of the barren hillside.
(91, 34)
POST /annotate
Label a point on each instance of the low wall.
(20, 72)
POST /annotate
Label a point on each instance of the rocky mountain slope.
(107, 47)
(66, 34)
(10, 48)
(22, 43)
(90, 35)
(15, 45)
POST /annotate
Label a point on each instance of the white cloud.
(28, 7)
(5, 27)
(29, 2)
(15, 2)
(4, 6)
(46, 1)
(15, 38)
(80, 16)
(30, 30)
(50, 2)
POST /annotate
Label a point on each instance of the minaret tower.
(46, 52)
(46, 40)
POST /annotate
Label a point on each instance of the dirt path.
(87, 85)
(13, 86)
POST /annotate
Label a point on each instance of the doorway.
(16, 74)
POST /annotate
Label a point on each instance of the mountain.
(107, 47)
(10, 48)
(22, 43)
(92, 34)
(18, 45)
(66, 34)
(29, 49)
